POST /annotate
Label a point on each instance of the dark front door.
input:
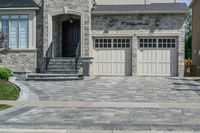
(70, 37)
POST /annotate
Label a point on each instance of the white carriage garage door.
(157, 57)
(112, 56)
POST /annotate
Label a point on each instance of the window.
(15, 30)
(112, 43)
(157, 43)
(23, 40)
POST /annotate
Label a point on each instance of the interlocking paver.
(120, 90)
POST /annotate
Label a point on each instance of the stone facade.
(124, 25)
(55, 7)
(20, 60)
(39, 33)
(124, 2)
(52, 13)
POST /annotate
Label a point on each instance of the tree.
(188, 37)
(4, 49)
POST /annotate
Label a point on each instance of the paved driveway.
(118, 89)
(110, 103)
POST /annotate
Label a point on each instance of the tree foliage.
(4, 49)
(188, 37)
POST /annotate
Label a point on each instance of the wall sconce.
(157, 22)
(71, 20)
(106, 31)
(111, 23)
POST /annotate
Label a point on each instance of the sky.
(187, 1)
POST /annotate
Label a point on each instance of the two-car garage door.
(155, 56)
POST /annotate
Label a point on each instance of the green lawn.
(197, 80)
(8, 91)
(2, 106)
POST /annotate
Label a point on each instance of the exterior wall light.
(157, 22)
(106, 31)
(111, 23)
(71, 20)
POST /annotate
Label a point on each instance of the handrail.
(50, 52)
(77, 55)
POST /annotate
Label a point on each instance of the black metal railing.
(50, 51)
(49, 54)
(77, 55)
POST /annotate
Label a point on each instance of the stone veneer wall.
(84, 6)
(123, 25)
(19, 60)
(39, 33)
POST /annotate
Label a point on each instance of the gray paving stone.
(119, 89)
(107, 89)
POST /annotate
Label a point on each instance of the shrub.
(9, 71)
(5, 73)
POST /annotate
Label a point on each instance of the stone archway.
(67, 13)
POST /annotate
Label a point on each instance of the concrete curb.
(25, 93)
(83, 131)
(139, 105)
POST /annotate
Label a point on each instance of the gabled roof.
(18, 4)
(148, 8)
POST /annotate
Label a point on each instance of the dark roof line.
(18, 4)
(155, 7)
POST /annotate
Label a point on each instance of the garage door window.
(157, 43)
(148, 43)
(112, 43)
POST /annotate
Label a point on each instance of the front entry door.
(70, 38)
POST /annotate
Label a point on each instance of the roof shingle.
(17, 4)
(155, 7)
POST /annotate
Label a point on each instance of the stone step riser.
(64, 61)
(50, 76)
(62, 67)
(63, 70)
(54, 79)
(59, 72)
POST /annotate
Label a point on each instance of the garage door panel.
(159, 59)
(115, 60)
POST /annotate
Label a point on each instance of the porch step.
(59, 69)
(62, 71)
(53, 77)
(63, 62)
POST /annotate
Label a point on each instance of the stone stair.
(59, 69)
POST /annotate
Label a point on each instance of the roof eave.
(140, 12)
(20, 8)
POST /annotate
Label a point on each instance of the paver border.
(84, 131)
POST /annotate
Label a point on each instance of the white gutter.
(20, 8)
(140, 12)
